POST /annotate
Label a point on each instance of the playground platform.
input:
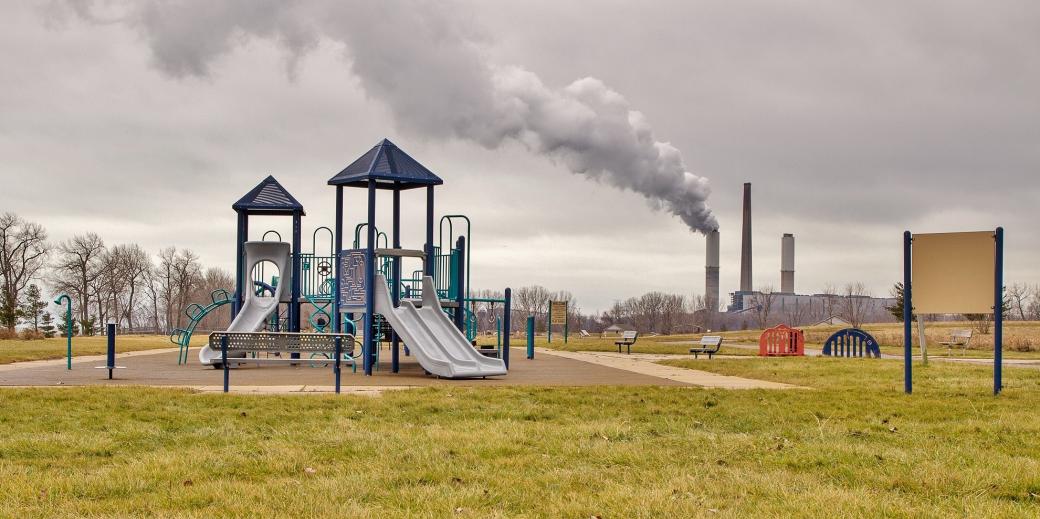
(159, 368)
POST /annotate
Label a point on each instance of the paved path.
(159, 368)
(647, 364)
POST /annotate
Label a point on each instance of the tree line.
(120, 283)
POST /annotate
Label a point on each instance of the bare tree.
(761, 304)
(532, 300)
(78, 268)
(131, 265)
(1019, 295)
(795, 313)
(855, 304)
(23, 252)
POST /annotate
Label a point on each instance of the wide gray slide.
(437, 344)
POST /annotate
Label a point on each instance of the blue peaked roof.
(389, 166)
(268, 197)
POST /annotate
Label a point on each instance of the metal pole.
(460, 288)
(111, 357)
(566, 324)
(998, 312)
(507, 325)
(370, 277)
(548, 323)
(395, 354)
(339, 349)
(223, 360)
(294, 303)
(337, 318)
(240, 251)
(530, 337)
(428, 264)
(908, 312)
(68, 328)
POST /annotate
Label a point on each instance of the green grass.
(14, 350)
(852, 446)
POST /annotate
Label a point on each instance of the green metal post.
(68, 327)
(566, 325)
(548, 323)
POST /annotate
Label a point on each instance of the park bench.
(627, 339)
(710, 344)
(333, 348)
(959, 337)
(584, 334)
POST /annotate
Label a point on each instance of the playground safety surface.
(549, 368)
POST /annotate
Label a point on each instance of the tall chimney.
(745, 243)
(787, 264)
(711, 269)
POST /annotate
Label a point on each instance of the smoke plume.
(429, 69)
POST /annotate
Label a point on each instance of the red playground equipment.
(781, 341)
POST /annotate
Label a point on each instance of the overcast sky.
(853, 120)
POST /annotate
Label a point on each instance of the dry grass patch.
(55, 348)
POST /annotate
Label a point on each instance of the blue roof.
(268, 197)
(389, 166)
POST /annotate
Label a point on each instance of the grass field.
(853, 446)
(14, 350)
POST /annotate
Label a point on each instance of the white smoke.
(428, 68)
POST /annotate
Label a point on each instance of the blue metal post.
(395, 355)
(111, 357)
(530, 337)
(428, 265)
(507, 325)
(337, 318)
(240, 253)
(908, 313)
(998, 312)
(339, 353)
(223, 361)
(460, 288)
(370, 278)
(294, 303)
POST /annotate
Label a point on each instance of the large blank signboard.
(953, 272)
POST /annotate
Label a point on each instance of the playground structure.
(851, 342)
(781, 341)
(359, 291)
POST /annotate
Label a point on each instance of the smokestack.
(711, 268)
(787, 264)
(745, 243)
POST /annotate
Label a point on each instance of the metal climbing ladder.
(196, 313)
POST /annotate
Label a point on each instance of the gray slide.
(255, 308)
(436, 343)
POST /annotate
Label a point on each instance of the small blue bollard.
(530, 337)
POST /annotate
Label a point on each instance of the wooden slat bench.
(710, 344)
(958, 338)
(334, 346)
(627, 339)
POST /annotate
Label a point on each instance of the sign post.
(557, 315)
(954, 273)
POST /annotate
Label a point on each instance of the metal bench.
(710, 344)
(336, 345)
(958, 338)
(627, 339)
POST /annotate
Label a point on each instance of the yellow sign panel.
(559, 312)
(953, 273)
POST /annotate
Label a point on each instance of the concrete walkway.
(647, 364)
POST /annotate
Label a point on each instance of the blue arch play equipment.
(851, 342)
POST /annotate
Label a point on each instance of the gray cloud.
(430, 71)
